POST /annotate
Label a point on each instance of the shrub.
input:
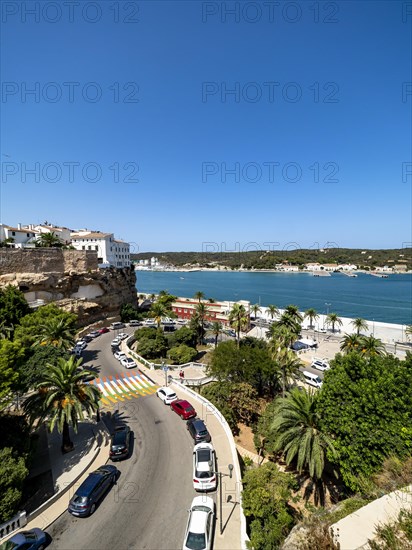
(182, 354)
(12, 474)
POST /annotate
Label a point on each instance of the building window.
(96, 247)
(89, 247)
(13, 233)
(83, 247)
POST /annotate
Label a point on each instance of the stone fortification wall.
(70, 278)
(46, 260)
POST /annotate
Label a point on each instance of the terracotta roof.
(20, 230)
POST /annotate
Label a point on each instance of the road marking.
(124, 386)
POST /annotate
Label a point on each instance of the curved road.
(147, 508)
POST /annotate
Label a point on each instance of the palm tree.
(201, 312)
(287, 321)
(297, 431)
(5, 242)
(294, 312)
(57, 332)
(216, 329)
(62, 397)
(371, 346)
(288, 363)
(49, 240)
(199, 295)
(272, 310)
(312, 315)
(359, 324)
(255, 309)
(333, 319)
(351, 342)
(159, 310)
(238, 319)
(281, 335)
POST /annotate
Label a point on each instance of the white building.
(63, 233)
(19, 237)
(110, 252)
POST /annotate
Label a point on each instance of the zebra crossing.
(124, 386)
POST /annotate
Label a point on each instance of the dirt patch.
(245, 438)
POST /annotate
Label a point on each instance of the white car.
(122, 336)
(119, 355)
(200, 525)
(128, 363)
(322, 330)
(166, 395)
(320, 364)
(81, 344)
(204, 476)
(115, 342)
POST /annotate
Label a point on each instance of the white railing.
(16, 522)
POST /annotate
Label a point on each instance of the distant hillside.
(367, 259)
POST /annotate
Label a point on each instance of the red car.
(183, 408)
(104, 330)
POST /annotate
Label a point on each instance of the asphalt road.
(147, 508)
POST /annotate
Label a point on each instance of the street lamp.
(327, 304)
(220, 475)
(164, 369)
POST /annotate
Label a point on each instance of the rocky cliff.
(70, 278)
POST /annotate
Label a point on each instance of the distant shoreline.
(299, 272)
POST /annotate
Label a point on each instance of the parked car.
(198, 430)
(33, 539)
(94, 333)
(115, 343)
(115, 349)
(183, 408)
(204, 467)
(320, 364)
(83, 502)
(77, 351)
(119, 355)
(128, 363)
(104, 330)
(122, 335)
(321, 330)
(87, 338)
(117, 325)
(200, 524)
(134, 323)
(166, 395)
(120, 445)
(81, 344)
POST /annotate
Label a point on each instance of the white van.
(116, 326)
(312, 379)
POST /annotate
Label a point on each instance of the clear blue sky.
(318, 129)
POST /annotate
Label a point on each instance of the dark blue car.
(33, 539)
(91, 491)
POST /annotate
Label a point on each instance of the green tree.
(199, 295)
(10, 355)
(312, 315)
(287, 362)
(153, 348)
(266, 492)
(58, 332)
(333, 319)
(217, 329)
(218, 394)
(297, 432)
(62, 397)
(158, 311)
(351, 342)
(49, 240)
(238, 319)
(33, 368)
(371, 346)
(272, 310)
(359, 324)
(255, 309)
(128, 312)
(13, 307)
(294, 312)
(184, 335)
(365, 405)
(13, 472)
(182, 354)
(28, 330)
(199, 317)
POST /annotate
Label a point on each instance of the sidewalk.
(234, 523)
(91, 450)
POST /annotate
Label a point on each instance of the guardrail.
(16, 522)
